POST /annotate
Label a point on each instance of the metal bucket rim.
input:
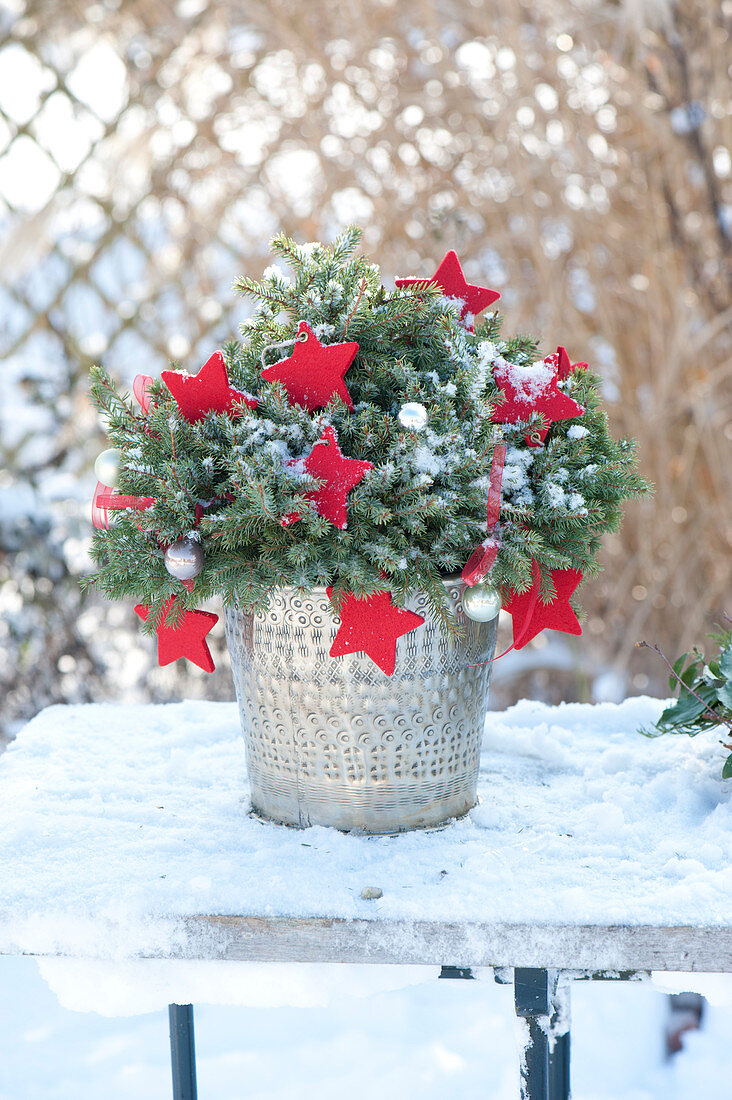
(322, 589)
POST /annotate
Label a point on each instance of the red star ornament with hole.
(372, 625)
(313, 374)
(187, 640)
(340, 474)
(531, 616)
(530, 390)
(205, 392)
(450, 278)
(564, 366)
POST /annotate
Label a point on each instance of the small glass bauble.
(413, 416)
(107, 467)
(184, 558)
(482, 602)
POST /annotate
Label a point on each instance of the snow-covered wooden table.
(126, 834)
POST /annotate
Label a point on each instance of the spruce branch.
(361, 290)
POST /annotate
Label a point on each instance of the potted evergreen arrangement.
(364, 479)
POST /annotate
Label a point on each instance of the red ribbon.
(105, 500)
(481, 560)
(141, 389)
(533, 596)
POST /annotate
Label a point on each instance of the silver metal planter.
(334, 741)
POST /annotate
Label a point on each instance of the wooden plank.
(553, 946)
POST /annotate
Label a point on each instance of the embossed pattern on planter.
(334, 741)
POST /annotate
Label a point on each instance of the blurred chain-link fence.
(576, 154)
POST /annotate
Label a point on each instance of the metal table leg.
(545, 1059)
(456, 972)
(182, 1052)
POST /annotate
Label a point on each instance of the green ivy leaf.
(689, 675)
(687, 707)
(677, 666)
(704, 694)
(725, 662)
(724, 694)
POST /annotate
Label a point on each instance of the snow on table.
(126, 832)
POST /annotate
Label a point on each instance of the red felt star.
(205, 392)
(564, 367)
(371, 625)
(186, 640)
(530, 390)
(327, 464)
(449, 276)
(531, 616)
(314, 373)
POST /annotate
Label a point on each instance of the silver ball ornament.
(184, 558)
(107, 467)
(482, 602)
(413, 416)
